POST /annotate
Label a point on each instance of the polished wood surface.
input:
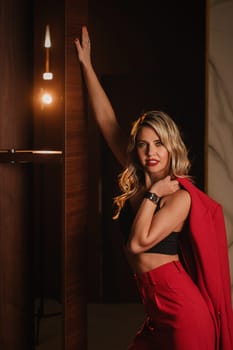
(62, 125)
(57, 182)
(75, 201)
(16, 301)
(28, 156)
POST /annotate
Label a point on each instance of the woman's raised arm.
(102, 108)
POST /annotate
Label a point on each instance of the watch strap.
(152, 197)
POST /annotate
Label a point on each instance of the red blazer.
(205, 254)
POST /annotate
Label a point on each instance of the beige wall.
(220, 112)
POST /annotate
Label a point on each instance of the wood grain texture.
(16, 302)
(75, 240)
(64, 126)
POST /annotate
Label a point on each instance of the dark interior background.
(148, 56)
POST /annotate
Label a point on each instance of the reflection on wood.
(30, 156)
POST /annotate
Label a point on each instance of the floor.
(110, 326)
(50, 326)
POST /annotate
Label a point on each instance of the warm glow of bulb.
(47, 76)
(47, 99)
(47, 42)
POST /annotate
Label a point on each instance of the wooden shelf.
(30, 156)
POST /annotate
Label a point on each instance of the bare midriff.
(145, 262)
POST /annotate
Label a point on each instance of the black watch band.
(152, 197)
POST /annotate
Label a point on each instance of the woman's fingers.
(83, 46)
(77, 43)
(85, 36)
(165, 186)
(85, 39)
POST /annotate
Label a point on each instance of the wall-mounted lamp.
(47, 75)
(47, 98)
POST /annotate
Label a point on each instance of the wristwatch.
(152, 197)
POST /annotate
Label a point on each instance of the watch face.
(152, 196)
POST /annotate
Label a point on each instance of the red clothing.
(178, 317)
(205, 256)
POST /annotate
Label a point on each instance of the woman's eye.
(141, 144)
(158, 143)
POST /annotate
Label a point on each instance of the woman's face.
(152, 155)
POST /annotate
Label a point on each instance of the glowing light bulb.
(47, 75)
(47, 99)
(47, 41)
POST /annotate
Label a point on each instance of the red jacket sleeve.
(205, 256)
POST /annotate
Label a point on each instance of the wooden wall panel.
(68, 114)
(48, 134)
(16, 275)
(75, 257)
(16, 286)
(60, 126)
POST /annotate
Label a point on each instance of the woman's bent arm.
(149, 229)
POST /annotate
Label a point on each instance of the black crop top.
(169, 245)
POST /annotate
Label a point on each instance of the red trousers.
(177, 316)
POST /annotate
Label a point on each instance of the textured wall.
(220, 112)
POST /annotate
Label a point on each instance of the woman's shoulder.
(179, 198)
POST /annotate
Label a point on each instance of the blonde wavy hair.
(132, 178)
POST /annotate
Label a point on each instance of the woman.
(154, 208)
